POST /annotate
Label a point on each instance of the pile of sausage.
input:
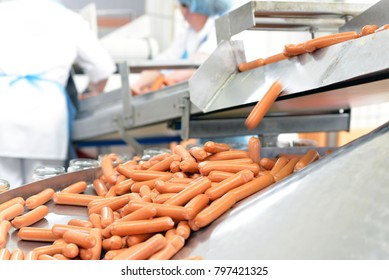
(145, 210)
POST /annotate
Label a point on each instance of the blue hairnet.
(207, 7)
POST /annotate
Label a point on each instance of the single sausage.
(17, 255)
(99, 187)
(275, 58)
(78, 187)
(124, 187)
(109, 255)
(183, 153)
(164, 165)
(16, 200)
(58, 230)
(175, 166)
(215, 210)
(81, 239)
(329, 40)
(5, 254)
(108, 169)
(252, 187)
(293, 50)
(144, 250)
(36, 234)
(142, 226)
(166, 187)
(145, 175)
(368, 29)
(206, 167)
(170, 233)
(30, 217)
(245, 66)
(74, 198)
(218, 176)
(170, 249)
(113, 243)
(214, 147)
(137, 238)
(4, 228)
(230, 183)
(183, 229)
(114, 203)
(94, 253)
(70, 250)
(39, 198)
(161, 198)
(11, 212)
(198, 186)
(45, 257)
(261, 108)
(196, 204)
(49, 249)
(95, 219)
(160, 156)
(60, 257)
(158, 83)
(254, 149)
(137, 185)
(106, 216)
(280, 163)
(228, 155)
(189, 166)
(80, 223)
(144, 191)
(311, 156)
(175, 212)
(126, 170)
(267, 163)
(286, 170)
(198, 153)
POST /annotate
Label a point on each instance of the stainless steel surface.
(356, 62)
(376, 14)
(282, 15)
(336, 208)
(139, 66)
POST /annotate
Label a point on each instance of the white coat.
(43, 39)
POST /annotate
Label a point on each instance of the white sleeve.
(210, 44)
(91, 56)
(174, 51)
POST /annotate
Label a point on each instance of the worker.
(41, 40)
(197, 43)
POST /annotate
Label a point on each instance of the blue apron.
(34, 80)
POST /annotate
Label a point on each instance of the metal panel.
(336, 208)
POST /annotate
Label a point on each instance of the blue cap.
(207, 7)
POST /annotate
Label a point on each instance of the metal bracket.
(185, 106)
(131, 141)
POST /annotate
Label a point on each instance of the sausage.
(94, 253)
(147, 164)
(39, 198)
(78, 187)
(261, 108)
(70, 250)
(158, 83)
(164, 165)
(74, 198)
(36, 234)
(58, 230)
(382, 28)
(17, 255)
(329, 40)
(254, 148)
(95, 219)
(189, 166)
(124, 187)
(109, 255)
(30, 217)
(49, 249)
(180, 175)
(198, 186)
(368, 29)
(175, 212)
(293, 50)
(206, 167)
(106, 216)
(145, 175)
(196, 204)
(170, 233)
(81, 239)
(181, 180)
(11, 212)
(113, 243)
(280, 163)
(192, 225)
(114, 203)
(275, 58)
(60, 257)
(198, 153)
(286, 170)
(16, 200)
(99, 187)
(228, 155)
(161, 198)
(144, 191)
(138, 238)
(183, 153)
(175, 166)
(137, 185)
(252, 187)
(80, 223)
(214, 147)
(45, 257)
(170, 249)
(166, 187)
(4, 228)
(160, 156)
(246, 66)
(126, 170)
(214, 210)
(183, 229)
(267, 163)
(142, 226)
(308, 158)
(218, 176)
(5, 254)
(108, 169)
(230, 183)
(144, 250)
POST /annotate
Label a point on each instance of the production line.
(340, 218)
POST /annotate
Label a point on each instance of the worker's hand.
(178, 76)
(136, 90)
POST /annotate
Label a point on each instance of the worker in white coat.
(40, 41)
(196, 43)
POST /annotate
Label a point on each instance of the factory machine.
(337, 207)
